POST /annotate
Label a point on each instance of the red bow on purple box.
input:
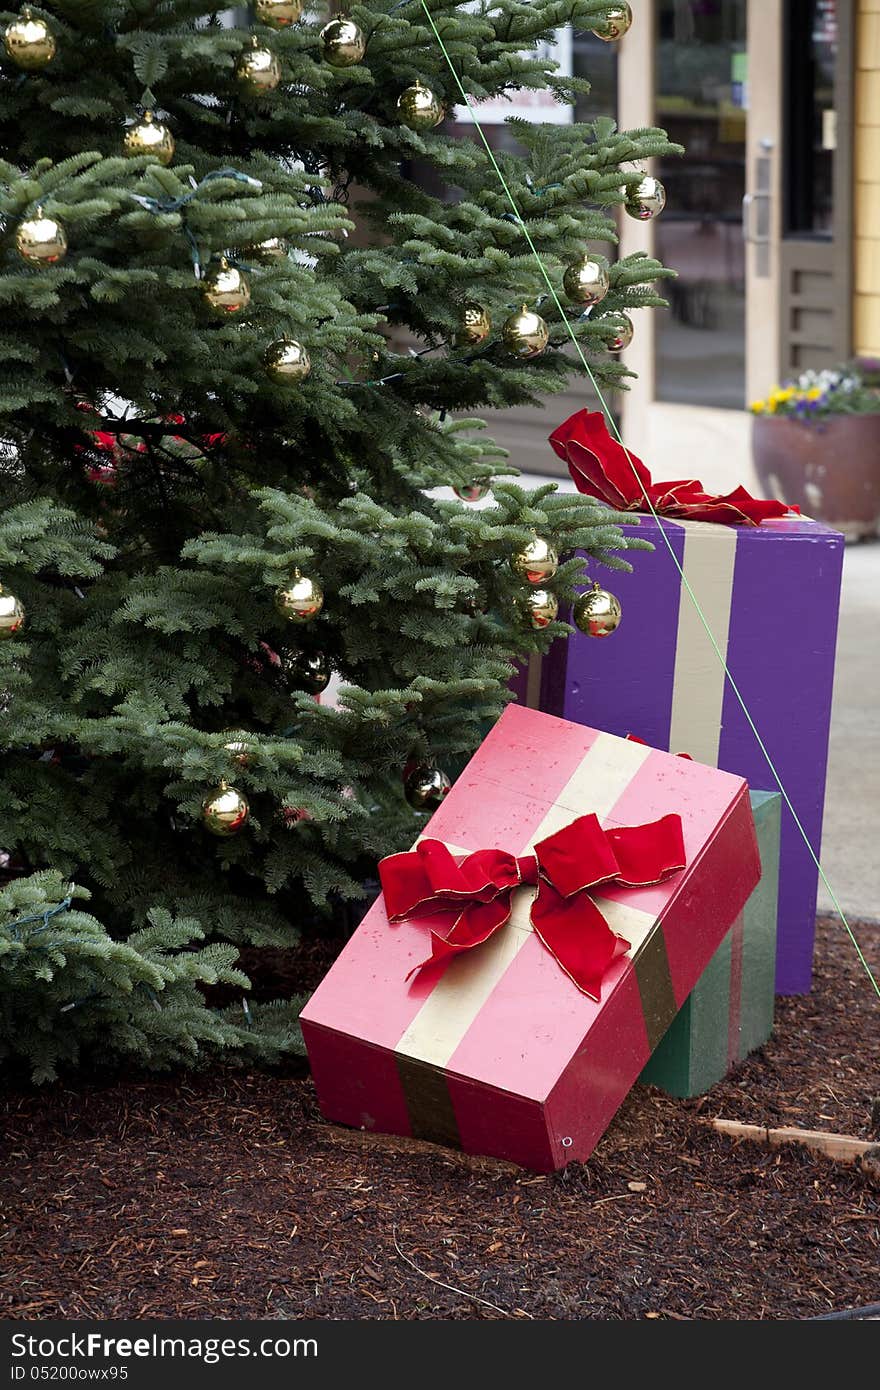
(602, 468)
(478, 888)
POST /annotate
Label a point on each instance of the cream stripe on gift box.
(449, 1010)
(533, 681)
(698, 683)
(630, 922)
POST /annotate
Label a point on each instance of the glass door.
(701, 87)
(815, 255)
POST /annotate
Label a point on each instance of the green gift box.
(730, 1010)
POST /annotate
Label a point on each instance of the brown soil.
(226, 1195)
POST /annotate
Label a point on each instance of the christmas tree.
(242, 341)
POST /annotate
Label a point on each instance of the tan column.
(764, 29)
(866, 156)
(635, 109)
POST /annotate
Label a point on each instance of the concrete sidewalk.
(851, 835)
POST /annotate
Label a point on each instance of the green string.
(613, 423)
(44, 915)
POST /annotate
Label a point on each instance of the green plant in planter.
(816, 444)
(846, 390)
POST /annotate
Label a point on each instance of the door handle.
(748, 199)
(762, 200)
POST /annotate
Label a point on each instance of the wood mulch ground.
(226, 1195)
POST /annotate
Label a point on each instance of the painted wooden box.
(502, 1054)
(771, 595)
(729, 1012)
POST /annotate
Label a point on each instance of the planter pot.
(829, 468)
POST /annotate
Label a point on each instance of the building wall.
(866, 308)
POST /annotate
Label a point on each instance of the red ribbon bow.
(602, 468)
(478, 888)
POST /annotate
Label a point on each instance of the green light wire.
(613, 423)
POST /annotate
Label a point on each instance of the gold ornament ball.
(41, 240)
(471, 492)
(343, 42)
(238, 747)
(309, 671)
(525, 334)
(11, 614)
(420, 108)
(274, 248)
(618, 21)
(225, 288)
(225, 810)
(541, 606)
(29, 42)
(537, 563)
(149, 137)
(597, 613)
(287, 361)
(624, 336)
(586, 281)
(258, 68)
(425, 787)
(278, 13)
(300, 600)
(474, 325)
(646, 201)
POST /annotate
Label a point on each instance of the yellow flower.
(757, 407)
(782, 394)
(771, 405)
(814, 393)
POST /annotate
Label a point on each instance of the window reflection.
(597, 62)
(702, 96)
(811, 126)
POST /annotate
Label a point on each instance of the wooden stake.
(843, 1148)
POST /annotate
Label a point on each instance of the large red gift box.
(499, 1052)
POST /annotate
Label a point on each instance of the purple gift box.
(770, 595)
